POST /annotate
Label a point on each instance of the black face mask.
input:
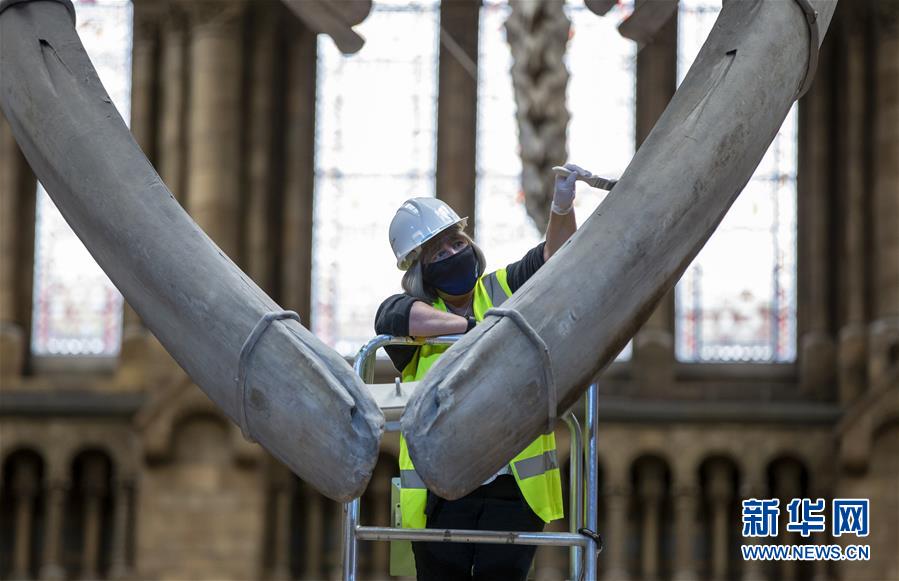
(455, 275)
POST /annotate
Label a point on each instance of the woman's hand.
(562, 222)
(563, 195)
(426, 321)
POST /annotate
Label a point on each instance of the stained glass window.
(600, 97)
(737, 301)
(77, 310)
(376, 115)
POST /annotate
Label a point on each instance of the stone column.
(617, 498)
(884, 331)
(822, 488)
(817, 350)
(656, 83)
(173, 100)
(380, 484)
(265, 90)
(753, 487)
(855, 188)
(214, 128)
(457, 106)
(24, 489)
(787, 487)
(121, 530)
(685, 505)
(282, 491)
(315, 526)
(144, 75)
(94, 487)
(296, 249)
(335, 555)
(651, 492)
(17, 198)
(51, 566)
(720, 499)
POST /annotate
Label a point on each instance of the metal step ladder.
(585, 544)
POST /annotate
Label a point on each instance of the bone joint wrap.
(815, 37)
(482, 402)
(303, 401)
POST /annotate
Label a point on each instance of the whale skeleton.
(285, 388)
(504, 383)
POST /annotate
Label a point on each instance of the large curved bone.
(303, 402)
(485, 399)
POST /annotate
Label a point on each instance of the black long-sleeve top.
(392, 317)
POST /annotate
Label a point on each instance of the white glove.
(563, 195)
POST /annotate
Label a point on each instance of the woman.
(446, 293)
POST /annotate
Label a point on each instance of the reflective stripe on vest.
(410, 479)
(536, 468)
(530, 467)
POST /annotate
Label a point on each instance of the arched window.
(376, 116)
(601, 101)
(77, 310)
(737, 300)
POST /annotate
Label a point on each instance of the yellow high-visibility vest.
(536, 468)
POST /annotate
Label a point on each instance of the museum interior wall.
(130, 472)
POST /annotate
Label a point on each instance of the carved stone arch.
(22, 505)
(791, 468)
(158, 422)
(784, 454)
(78, 449)
(648, 453)
(15, 443)
(727, 458)
(858, 428)
(199, 436)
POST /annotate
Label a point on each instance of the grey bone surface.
(305, 405)
(483, 401)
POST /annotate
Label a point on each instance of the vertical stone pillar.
(380, 484)
(214, 134)
(685, 505)
(617, 498)
(144, 75)
(817, 350)
(51, 565)
(822, 487)
(720, 497)
(656, 82)
(25, 489)
(17, 198)
(855, 188)
(787, 487)
(173, 100)
(94, 487)
(315, 526)
(335, 555)
(119, 567)
(265, 84)
(884, 331)
(283, 494)
(296, 249)
(651, 491)
(457, 106)
(753, 487)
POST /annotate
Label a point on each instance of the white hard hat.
(417, 221)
